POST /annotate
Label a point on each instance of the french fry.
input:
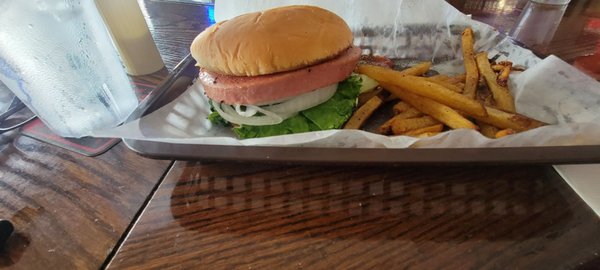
(487, 130)
(430, 104)
(439, 111)
(471, 70)
(402, 110)
(416, 70)
(361, 115)
(411, 112)
(440, 77)
(506, 120)
(504, 100)
(427, 134)
(505, 63)
(502, 78)
(400, 126)
(422, 87)
(428, 129)
(504, 133)
(386, 128)
(446, 84)
(497, 67)
(500, 65)
(457, 79)
(401, 106)
(484, 95)
(364, 97)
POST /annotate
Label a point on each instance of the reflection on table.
(260, 216)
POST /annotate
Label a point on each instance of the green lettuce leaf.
(334, 112)
(331, 114)
(295, 124)
(216, 118)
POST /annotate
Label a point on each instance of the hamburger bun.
(272, 41)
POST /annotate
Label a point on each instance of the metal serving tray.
(185, 72)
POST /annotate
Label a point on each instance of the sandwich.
(280, 71)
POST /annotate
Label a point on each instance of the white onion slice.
(368, 83)
(274, 114)
(248, 112)
(228, 113)
(269, 113)
(304, 101)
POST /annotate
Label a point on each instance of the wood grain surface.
(256, 216)
(227, 215)
(173, 26)
(69, 210)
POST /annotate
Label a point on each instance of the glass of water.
(57, 57)
(538, 22)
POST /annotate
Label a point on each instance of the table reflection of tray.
(185, 73)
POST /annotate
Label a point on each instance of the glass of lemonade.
(57, 57)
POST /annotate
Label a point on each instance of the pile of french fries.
(479, 99)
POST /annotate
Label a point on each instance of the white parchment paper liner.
(550, 90)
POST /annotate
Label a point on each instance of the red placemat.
(87, 146)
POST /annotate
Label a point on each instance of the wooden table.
(120, 210)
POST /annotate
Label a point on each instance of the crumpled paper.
(549, 90)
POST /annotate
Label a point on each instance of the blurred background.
(576, 39)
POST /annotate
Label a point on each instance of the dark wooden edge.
(185, 72)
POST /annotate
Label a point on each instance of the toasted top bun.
(275, 40)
